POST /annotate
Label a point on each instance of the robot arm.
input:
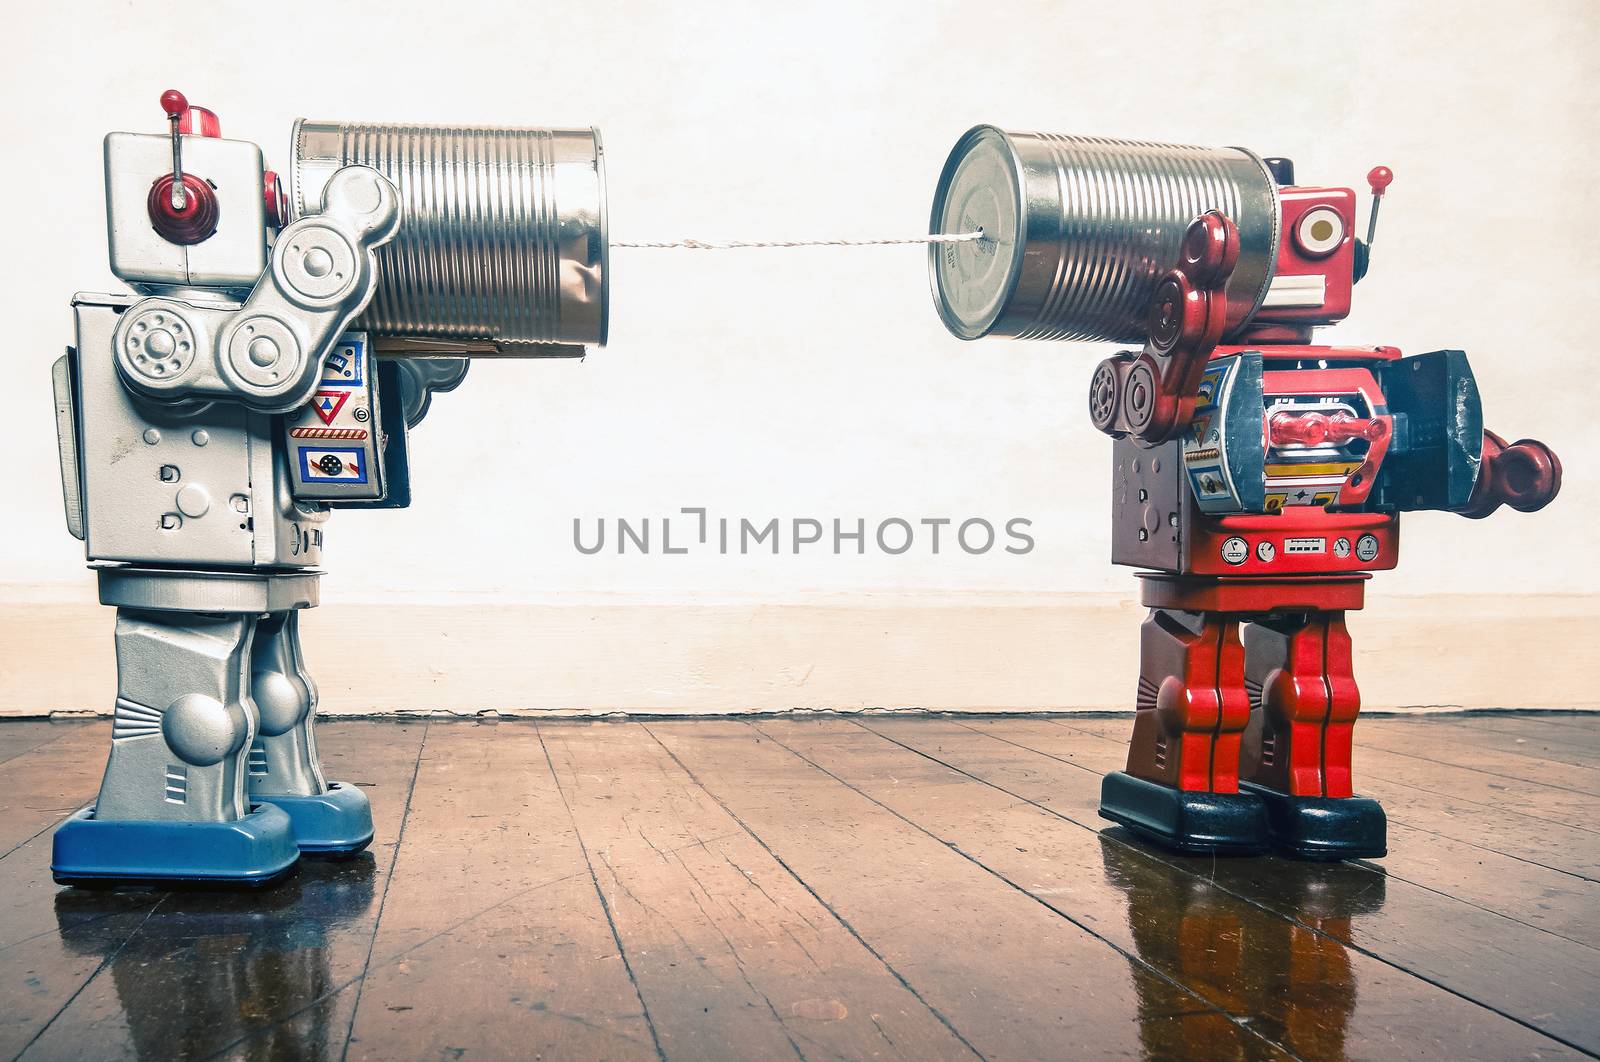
(268, 354)
(1152, 395)
(1525, 475)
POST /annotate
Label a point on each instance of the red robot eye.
(1319, 232)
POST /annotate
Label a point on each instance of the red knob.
(1378, 178)
(174, 103)
(277, 206)
(1314, 429)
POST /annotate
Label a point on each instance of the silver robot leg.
(283, 759)
(184, 718)
(330, 818)
(173, 805)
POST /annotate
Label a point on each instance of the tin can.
(1079, 230)
(502, 235)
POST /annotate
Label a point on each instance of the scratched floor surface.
(918, 888)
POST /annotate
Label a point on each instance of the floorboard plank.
(1438, 742)
(1533, 976)
(23, 735)
(1586, 722)
(1578, 737)
(256, 973)
(1464, 819)
(873, 887)
(45, 784)
(1294, 982)
(731, 954)
(1012, 976)
(1537, 800)
(1553, 900)
(493, 940)
(47, 956)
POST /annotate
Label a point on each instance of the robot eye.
(1320, 231)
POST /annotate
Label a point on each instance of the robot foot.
(1189, 822)
(253, 852)
(333, 824)
(1324, 828)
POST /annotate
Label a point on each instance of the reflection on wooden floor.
(878, 887)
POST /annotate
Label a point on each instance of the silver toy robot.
(276, 350)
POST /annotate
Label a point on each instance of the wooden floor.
(826, 888)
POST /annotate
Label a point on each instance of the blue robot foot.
(1324, 828)
(1189, 822)
(253, 852)
(333, 824)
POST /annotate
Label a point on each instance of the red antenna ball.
(1378, 178)
(174, 103)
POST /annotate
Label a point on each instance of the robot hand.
(1525, 475)
(268, 353)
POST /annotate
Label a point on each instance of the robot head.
(1319, 258)
(189, 209)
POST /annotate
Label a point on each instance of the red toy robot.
(1259, 477)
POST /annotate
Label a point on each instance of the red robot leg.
(1296, 755)
(1181, 787)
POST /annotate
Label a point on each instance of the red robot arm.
(1151, 395)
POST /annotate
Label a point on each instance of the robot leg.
(1298, 746)
(1181, 787)
(173, 805)
(330, 818)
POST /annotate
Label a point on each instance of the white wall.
(819, 382)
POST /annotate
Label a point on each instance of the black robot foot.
(1189, 822)
(1324, 828)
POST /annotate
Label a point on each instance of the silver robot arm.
(268, 354)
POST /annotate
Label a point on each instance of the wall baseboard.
(954, 653)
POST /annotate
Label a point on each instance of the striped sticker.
(327, 433)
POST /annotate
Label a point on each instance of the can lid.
(980, 188)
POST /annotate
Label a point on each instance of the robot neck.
(1267, 334)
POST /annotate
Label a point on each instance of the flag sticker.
(344, 365)
(332, 466)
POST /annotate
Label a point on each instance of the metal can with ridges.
(502, 235)
(1079, 230)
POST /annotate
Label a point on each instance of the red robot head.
(1319, 257)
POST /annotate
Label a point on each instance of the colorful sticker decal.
(346, 434)
(1204, 456)
(332, 466)
(343, 367)
(1209, 482)
(328, 403)
(1286, 469)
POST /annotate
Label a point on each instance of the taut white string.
(739, 245)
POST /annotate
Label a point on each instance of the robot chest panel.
(1158, 523)
(1266, 438)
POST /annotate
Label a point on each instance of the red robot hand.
(1525, 475)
